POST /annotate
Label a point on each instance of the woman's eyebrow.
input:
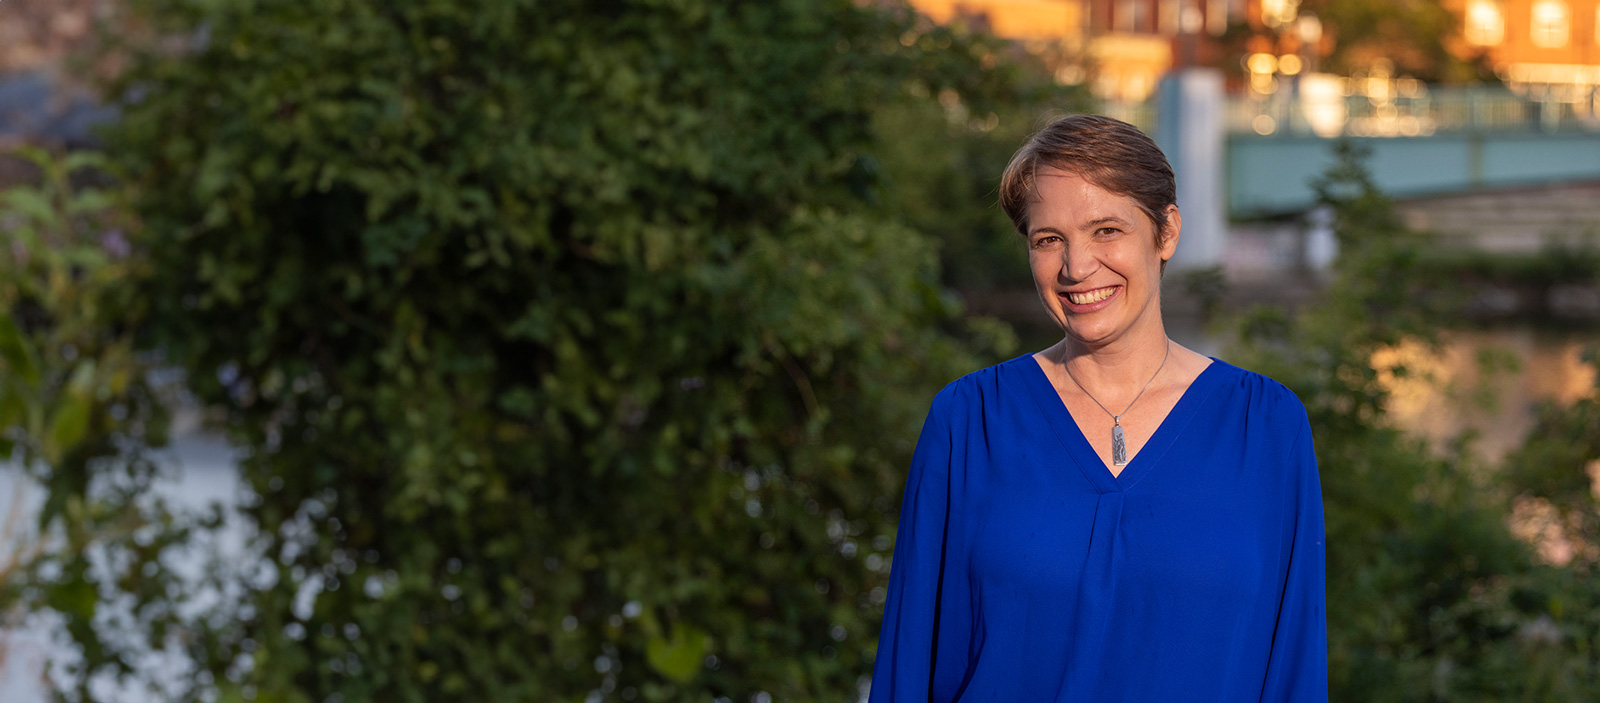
(1107, 220)
(1091, 224)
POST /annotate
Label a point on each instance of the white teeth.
(1093, 296)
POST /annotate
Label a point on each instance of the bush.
(568, 349)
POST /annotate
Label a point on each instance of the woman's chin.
(1093, 328)
(1089, 335)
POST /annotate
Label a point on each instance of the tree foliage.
(80, 417)
(570, 349)
(1429, 595)
(1556, 473)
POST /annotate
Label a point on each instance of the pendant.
(1119, 449)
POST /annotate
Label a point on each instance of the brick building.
(1549, 49)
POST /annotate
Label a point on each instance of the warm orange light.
(1262, 63)
(1277, 13)
(1485, 23)
(1551, 23)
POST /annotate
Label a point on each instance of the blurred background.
(574, 350)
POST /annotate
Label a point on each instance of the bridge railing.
(1330, 106)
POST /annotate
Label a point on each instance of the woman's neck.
(1132, 358)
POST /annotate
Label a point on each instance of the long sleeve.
(1298, 668)
(907, 641)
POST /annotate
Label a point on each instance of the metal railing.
(1343, 107)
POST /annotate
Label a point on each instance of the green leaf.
(75, 597)
(82, 159)
(32, 204)
(82, 380)
(17, 351)
(680, 657)
(68, 425)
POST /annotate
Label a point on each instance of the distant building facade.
(1546, 49)
(1120, 48)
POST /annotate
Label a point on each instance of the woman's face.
(1095, 260)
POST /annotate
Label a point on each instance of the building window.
(1191, 20)
(1131, 16)
(1217, 13)
(1551, 22)
(1486, 26)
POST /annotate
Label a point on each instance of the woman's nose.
(1078, 262)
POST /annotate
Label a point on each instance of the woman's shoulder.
(986, 385)
(1256, 393)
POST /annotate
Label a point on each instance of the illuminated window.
(1551, 22)
(1485, 25)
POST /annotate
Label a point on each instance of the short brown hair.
(1107, 152)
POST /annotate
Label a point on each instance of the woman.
(1115, 518)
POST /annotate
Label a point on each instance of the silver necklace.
(1119, 448)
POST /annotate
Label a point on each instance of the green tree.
(571, 349)
(1429, 595)
(1559, 466)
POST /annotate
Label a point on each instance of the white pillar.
(1190, 129)
(1322, 244)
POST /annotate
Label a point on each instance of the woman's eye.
(1107, 231)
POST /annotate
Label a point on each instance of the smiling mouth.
(1091, 296)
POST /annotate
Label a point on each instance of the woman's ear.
(1168, 242)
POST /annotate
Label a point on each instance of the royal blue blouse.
(1025, 572)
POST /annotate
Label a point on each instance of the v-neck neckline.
(1083, 454)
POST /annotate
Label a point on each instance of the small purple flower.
(115, 244)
